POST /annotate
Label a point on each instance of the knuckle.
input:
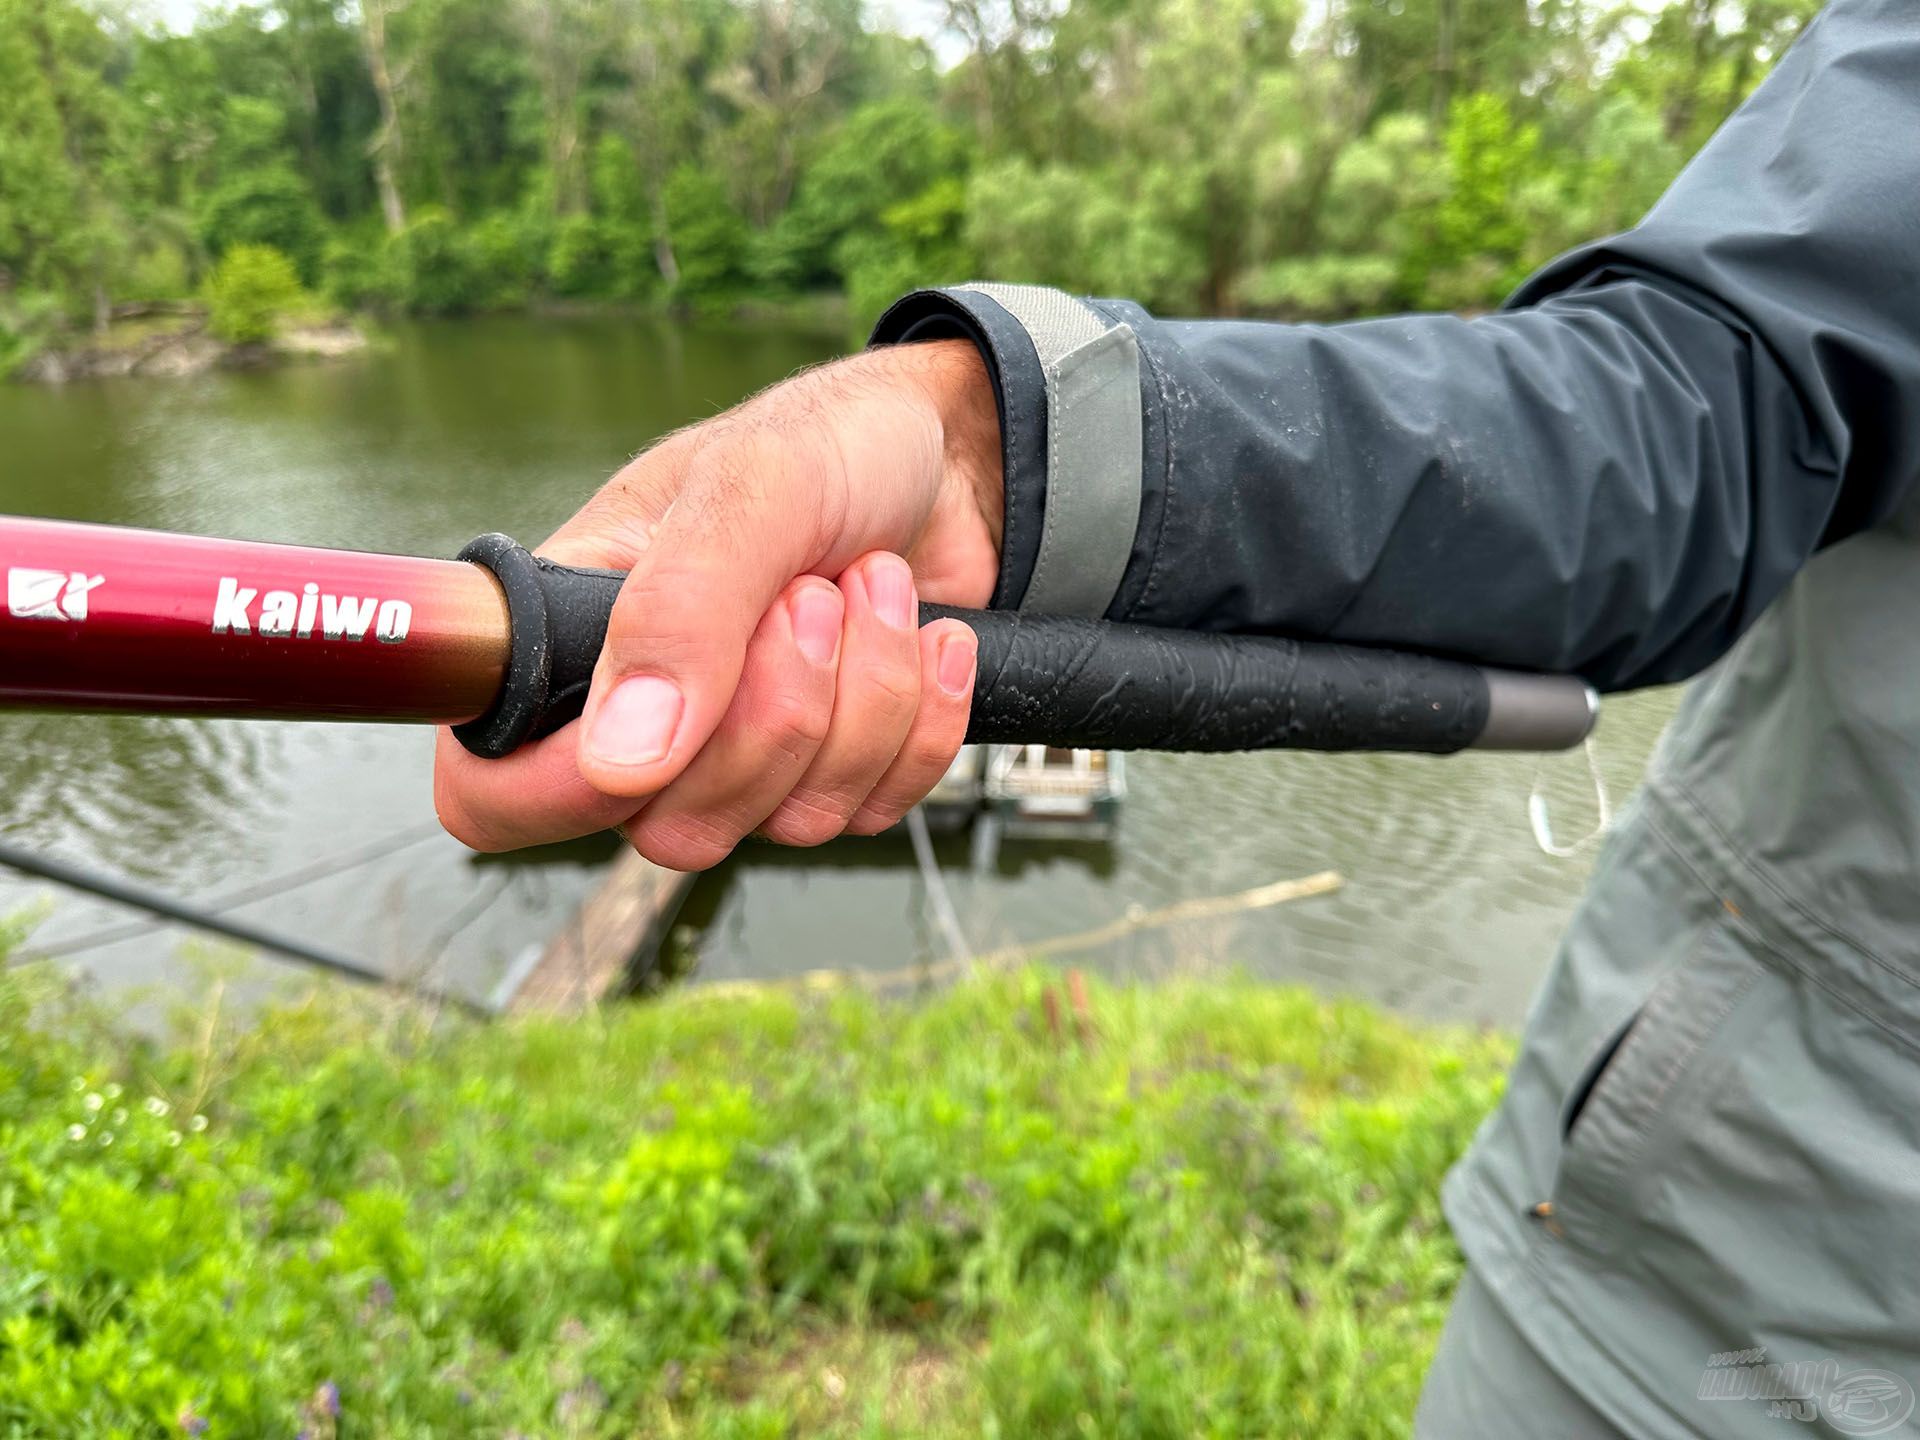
(889, 803)
(892, 692)
(609, 527)
(877, 816)
(806, 818)
(791, 722)
(682, 842)
(910, 780)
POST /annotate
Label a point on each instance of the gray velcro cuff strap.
(1093, 448)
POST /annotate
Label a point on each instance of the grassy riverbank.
(1203, 1209)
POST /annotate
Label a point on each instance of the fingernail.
(635, 723)
(890, 587)
(817, 612)
(955, 666)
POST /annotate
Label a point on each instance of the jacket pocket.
(1638, 1078)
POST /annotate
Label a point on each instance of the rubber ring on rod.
(524, 691)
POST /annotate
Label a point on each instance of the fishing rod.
(500, 644)
(139, 897)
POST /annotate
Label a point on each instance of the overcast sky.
(912, 17)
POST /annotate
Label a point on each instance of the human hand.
(764, 668)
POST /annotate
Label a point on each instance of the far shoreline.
(181, 344)
(167, 339)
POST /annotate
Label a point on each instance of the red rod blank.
(103, 618)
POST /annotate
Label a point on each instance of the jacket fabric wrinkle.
(1690, 449)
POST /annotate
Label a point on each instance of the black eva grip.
(1087, 683)
(1110, 686)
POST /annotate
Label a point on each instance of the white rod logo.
(285, 612)
(50, 594)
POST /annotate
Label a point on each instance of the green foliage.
(1491, 159)
(1056, 225)
(887, 159)
(26, 324)
(440, 269)
(271, 207)
(1324, 287)
(1210, 156)
(64, 133)
(1626, 159)
(709, 234)
(247, 291)
(361, 270)
(585, 258)
(917, 243)
(746, 1214)
(1695, 62)
(252, 133)
(507, 247)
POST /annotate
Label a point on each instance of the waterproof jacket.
(1696, 442)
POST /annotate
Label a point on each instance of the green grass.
(1207, 1208)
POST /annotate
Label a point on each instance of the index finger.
(745, 522)
(536, 796)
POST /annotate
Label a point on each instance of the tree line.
(1217, 156)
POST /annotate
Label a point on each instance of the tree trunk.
(1680, 115)
(663, 255)
(566, 141)
(385, 148)
(1443, 64)
(392, 207)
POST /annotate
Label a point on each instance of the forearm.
(1606, 484)
(1614, 476)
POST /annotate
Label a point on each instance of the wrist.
(953, 377)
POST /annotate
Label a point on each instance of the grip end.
(1537, 712)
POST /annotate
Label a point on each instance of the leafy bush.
(362, 271)
(247, 291)
(508, 249)
(885, 150)
(710, 236)
(27, 322)
(440, 270)
(159, 272)
(1080, 230)
(1208, 1208)
(1324, 287)
(584, 258)
(1396, 167)
(272, 206)
(1483, 243)
(918, 243)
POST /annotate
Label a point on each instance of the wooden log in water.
(1210, 907)
(614, 936)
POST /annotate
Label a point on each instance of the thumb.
(743, 525)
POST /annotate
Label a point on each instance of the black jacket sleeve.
(1613, 475)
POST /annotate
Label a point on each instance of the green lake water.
(456, 428)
